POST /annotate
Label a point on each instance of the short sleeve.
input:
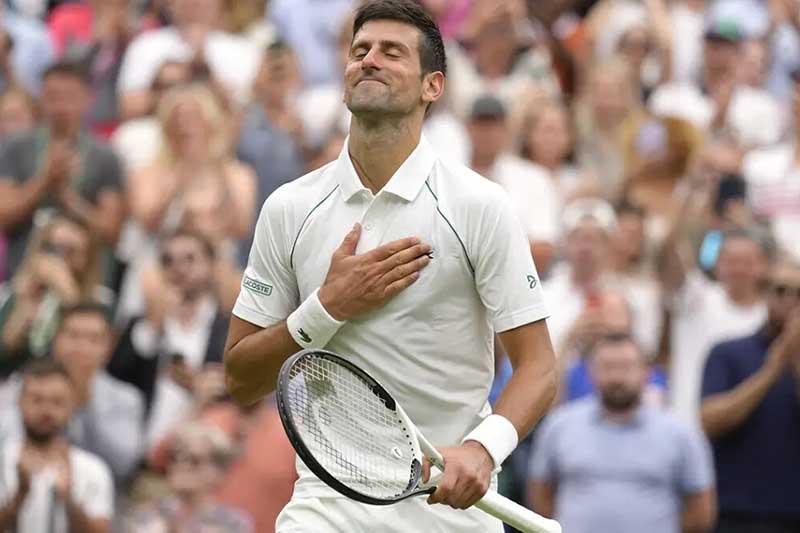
(544, 459)
(112, 179)
(269, 287)
(96, 496)
(717, 376)
(505, 276)
(696, 471)
(9, 164)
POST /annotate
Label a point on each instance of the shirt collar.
(405, 183)
(599, 415)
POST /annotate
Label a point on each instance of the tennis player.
(408, 266)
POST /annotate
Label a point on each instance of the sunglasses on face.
(192, 459)
(168, 260)
(783, 290)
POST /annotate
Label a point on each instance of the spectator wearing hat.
(610, 463)
(587, 272)
(751, 413)
(533, 194)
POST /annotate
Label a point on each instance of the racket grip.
(516, 515)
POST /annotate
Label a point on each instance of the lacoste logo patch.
(256, 286)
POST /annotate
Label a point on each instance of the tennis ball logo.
(397, 452)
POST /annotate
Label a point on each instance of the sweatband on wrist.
(498, 435)
(310, 325)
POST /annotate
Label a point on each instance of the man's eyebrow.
(383, 43)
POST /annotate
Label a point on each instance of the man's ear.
(432, 87)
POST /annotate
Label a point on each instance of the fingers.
(426, 470)
(389, 249)
(405, 269)
(348, 246)
(459, 491)
(404, 256)
(396, 287)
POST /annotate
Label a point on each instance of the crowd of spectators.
(651, 150)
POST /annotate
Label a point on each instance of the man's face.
(186, 265)
(488, 137)
(784, 294)
(719, 57)
(586, 244)
(741, 264)
(383, 74)
(192, 468)
(278, 76)
(83, 344)
(72, 244)
(65, 100)
(619, 374)
(46, 404)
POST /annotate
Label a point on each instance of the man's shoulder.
(122, 394)
(24, 141)
(88, 466)
(573, 414)
(459, 185)
(301, 194)
(736, 348)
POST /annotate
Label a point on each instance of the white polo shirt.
(432, 345)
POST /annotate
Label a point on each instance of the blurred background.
(650, 150)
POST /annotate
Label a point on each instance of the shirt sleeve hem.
(522, 317)
(254, 317)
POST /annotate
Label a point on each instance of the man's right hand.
(786, 347)
(359, 283)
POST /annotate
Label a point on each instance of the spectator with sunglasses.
(61, 268)
(751, 413)
(198, 458)
(183, 329)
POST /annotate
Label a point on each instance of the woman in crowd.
(61, 268)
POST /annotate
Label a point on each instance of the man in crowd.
(107, 414)
(751, 413)
(46, 484)
(613, 465)
(59, 166)
(183, 329)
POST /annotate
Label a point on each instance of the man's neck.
(586, 278)
(68, 134)
(379, 149)
(622, 417)
(482, 164)
(45, 448)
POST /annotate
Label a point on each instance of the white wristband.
(498, 435)
(310, 325)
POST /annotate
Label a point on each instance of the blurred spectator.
(450, 16)
(612, 464)
(606, 104)
(587, 273)
(246, 18)
(500, 56)
(194, 183)
(271, 140)
(108, 414)
(228, 59)
(138, 140)
(311, 29)
(252, 473)
(774, 188)
(18, 113)
(704, 313)
(95, 34)
(61, 268)
(632, 253)
(182, 330)
(199, 456)
(59, 165)
(609, 315)
(532, 192)
(25, 51)
(48, 485)
(751, 411)
(686, 21)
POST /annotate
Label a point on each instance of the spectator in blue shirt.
(751, 413)
(610, 464)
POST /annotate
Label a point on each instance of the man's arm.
(18, 201)
(699, 511)
(542, 497)
(724, 411)
(79, 521)
(10, 511)
(532, 388)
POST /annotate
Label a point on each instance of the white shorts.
(342, 515)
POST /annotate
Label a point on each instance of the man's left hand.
(467, 475)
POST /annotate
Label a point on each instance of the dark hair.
(45, 367)
(86, 308)
(753, 235)
(207, 245)
(67, 68)
(615, 338)
(432, 56)
(628, 207)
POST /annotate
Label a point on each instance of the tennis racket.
(357, 439)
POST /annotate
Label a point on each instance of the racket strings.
(349, 429)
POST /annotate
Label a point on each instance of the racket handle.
(516, 515)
